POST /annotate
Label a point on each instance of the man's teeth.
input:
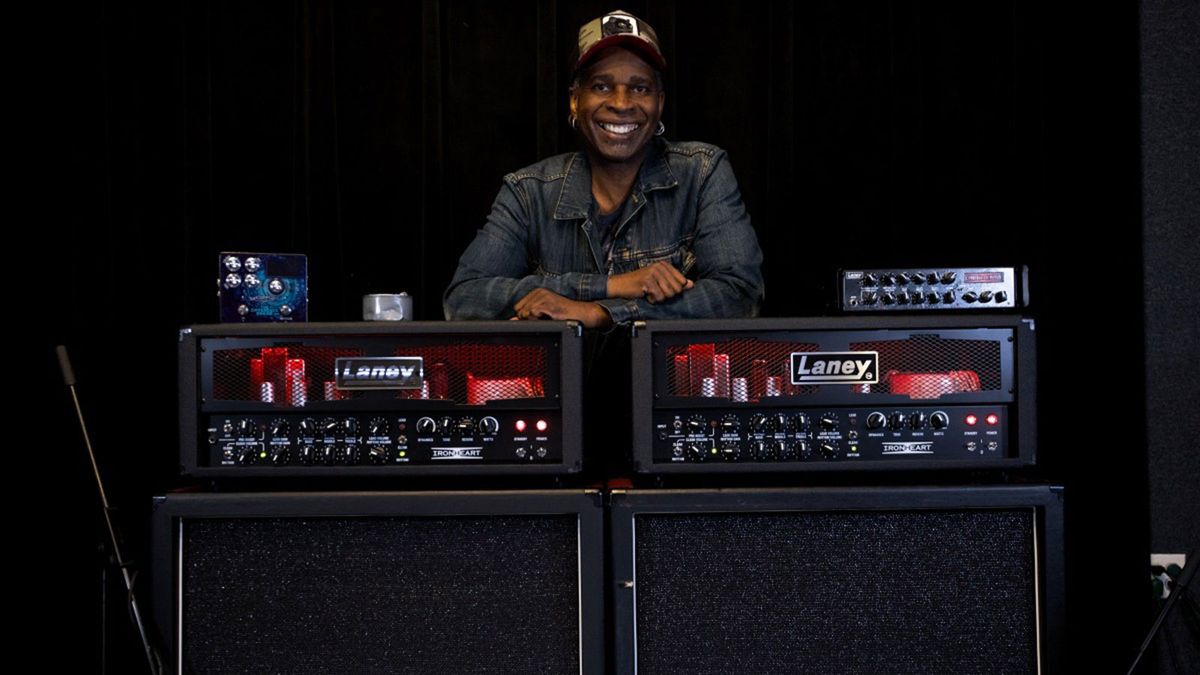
(619, 128)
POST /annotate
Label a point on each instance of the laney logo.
(835, 367)
(908, 448)
(383, 372)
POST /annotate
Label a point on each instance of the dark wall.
(373, 137)
(1171, 223)
(1170, 44)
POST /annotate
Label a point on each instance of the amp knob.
(330, 427)
(378, 454)
(828, 449)
(426, 425)
(829, 422)
(875, 420)
(377, 427)
(308, 427)
(279, 455)
(697, 452)
(917, 420)
(896, 421)
(247, 429)
(939, 420)
(280, 429)
(489, 425)
(327, 455)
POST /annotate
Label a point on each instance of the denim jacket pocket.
(679, 254)
(539, 269)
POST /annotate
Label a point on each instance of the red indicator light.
(993, 419)
(972, 420)
(542, 425)
(520, 425)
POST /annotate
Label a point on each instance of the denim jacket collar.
(575, 199)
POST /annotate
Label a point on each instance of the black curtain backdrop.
(373, 137)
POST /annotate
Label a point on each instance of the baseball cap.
(619, 28)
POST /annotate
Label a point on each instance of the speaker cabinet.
(498, 582)
(871, 580)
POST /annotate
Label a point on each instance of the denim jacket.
(684, 208)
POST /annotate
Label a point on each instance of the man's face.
(618, 104)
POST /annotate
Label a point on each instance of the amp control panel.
(378, 440)
(837, 437)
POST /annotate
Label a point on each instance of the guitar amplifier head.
(388, 398)
(833, 394)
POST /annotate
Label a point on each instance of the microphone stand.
(152, 656)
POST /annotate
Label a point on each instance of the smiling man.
(634, 227)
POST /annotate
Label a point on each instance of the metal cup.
(387, 307)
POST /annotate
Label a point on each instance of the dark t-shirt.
(606, 225)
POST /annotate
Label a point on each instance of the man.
(633, 228)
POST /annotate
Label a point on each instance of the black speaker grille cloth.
(846, 592)
(381, 595)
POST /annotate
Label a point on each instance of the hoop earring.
(660, 129)
(571, 121)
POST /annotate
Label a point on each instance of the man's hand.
(656, 283)
(545, 304)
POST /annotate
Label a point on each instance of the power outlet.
(1165, 560)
